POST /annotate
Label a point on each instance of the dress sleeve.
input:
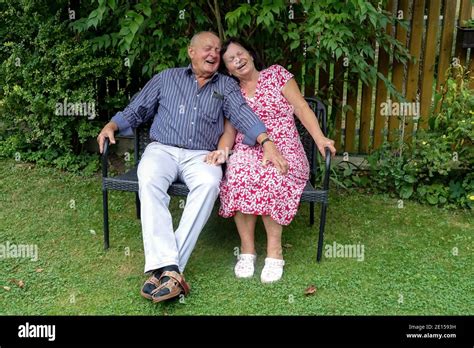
(281, 74)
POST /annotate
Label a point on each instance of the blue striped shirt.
(187, 116)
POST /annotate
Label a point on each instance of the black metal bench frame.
(129, 181)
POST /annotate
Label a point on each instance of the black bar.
(228, 330)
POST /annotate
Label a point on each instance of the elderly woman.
(251, 187)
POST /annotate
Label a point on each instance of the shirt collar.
(189, 71)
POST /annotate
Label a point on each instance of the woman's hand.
(271, 154)
(215, 157)
(324, 142)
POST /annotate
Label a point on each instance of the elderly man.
(188, 106)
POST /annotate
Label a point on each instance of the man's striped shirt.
(187, 116)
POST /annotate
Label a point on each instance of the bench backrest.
(142, 135)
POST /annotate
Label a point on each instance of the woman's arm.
(225, 144)
(307, 117)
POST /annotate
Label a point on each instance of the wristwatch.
(265, 140)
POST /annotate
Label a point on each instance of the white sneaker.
(245, 265)
(272, 271)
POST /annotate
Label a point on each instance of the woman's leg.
(273, 269)
(274, 230)
(246, 227)
(245, 266)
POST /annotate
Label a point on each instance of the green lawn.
(411, 264)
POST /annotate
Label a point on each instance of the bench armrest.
(328, 169)
(105, 158)
(319, 109)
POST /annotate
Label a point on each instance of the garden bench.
(129, 181)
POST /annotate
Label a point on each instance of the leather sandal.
(175, 284)
(150, 281)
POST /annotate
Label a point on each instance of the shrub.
(44, 64)
(437, 167)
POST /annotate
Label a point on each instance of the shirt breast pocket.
(212, 109)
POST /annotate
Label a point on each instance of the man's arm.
(240, 115)
(244, 119)
(142, 108)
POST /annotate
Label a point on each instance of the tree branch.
(217, 14)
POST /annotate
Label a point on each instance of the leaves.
(327, 29)
(112, 4)
(311, 290)
(18, 282)
(57, 64)
(406, 191)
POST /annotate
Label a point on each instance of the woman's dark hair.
(256, 58)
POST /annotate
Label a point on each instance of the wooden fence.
(431, 39)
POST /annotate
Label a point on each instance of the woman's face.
(238, 61)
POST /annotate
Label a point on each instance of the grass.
(410, 266)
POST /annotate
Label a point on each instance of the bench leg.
(311, 213)
(321, 231)
(137, 204)
(106, 218)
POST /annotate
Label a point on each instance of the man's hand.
(271, 154)
(107, 132)
(324, 142)
(215, 157)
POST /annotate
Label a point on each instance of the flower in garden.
(471, 197)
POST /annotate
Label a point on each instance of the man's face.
(204, 54)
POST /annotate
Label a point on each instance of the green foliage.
(146, 35)
(156, 37)
(437, 167)
(328, 30)
(348, 175)
(44, 64)
(469, 23)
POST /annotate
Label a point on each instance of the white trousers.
(159, 167)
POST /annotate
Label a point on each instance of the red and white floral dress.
(248, 185)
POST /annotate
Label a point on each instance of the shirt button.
(190, 140)
(197, 95)
(195, 108)
(192, 123)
